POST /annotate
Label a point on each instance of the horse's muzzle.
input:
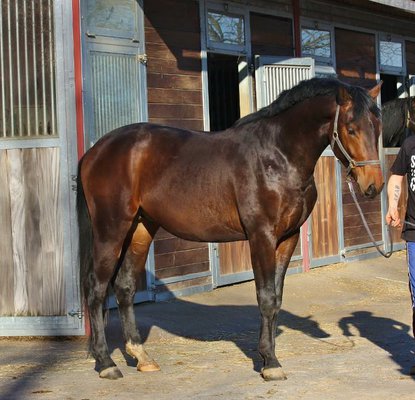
(371, 191)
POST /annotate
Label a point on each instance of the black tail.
(85, 236)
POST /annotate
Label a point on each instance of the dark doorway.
(223, 91)
(389, 89)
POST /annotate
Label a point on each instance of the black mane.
(394, 114)
(309, 89)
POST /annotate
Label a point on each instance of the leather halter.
(336, 140)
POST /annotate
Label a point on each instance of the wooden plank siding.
(324, 224)
(356, 64)
(32, 266)
(174, 85)
(175, 256)
(410, 57)
(236, 257)
(271, 35)
(354, 230)
(6, 244)
(356, 57)
(174, 64)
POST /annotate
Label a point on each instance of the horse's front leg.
(270, 266)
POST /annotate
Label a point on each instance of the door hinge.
(142, 58)
(74, 180)
(76, 313)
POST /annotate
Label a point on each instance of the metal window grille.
(276, 74)
(283, 77)
(27, 69)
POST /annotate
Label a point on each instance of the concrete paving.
(344, 333)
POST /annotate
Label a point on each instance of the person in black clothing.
(405, 165)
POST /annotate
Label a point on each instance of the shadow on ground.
(237, 324)
(386, 333)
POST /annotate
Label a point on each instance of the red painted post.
(77, 56)
(76, 16)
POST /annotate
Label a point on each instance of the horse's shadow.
(386, 333)
(240, 324)
(234, 323)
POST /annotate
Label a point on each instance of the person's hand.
(392, 217)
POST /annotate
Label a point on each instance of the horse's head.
(355, 137)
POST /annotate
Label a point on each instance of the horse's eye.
(351, 131)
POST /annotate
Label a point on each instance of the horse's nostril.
(371, 191)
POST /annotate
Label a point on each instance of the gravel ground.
(344, 333)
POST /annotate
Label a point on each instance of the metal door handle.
(90, 34)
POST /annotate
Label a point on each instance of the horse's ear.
(343, 96)
(374, 92)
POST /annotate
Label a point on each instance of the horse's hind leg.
(95, 293)
(125, 288)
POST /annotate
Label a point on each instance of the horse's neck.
(306, 132)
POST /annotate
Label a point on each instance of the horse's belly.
(198, 223)
(205, 234)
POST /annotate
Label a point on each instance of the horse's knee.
(124, 293)
(269, 305)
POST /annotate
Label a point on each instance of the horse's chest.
(293, 203)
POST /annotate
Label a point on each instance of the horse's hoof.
(111, 373)
(412, 370)
(149, 366)
(273, 374)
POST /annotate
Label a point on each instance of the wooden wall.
(175, 98)
(271, 36)
(324, 224)
(356, 64)
(356, 57)
(410, 57)
(172, 35)
(235, 257)
(31, 237)
(354, 230)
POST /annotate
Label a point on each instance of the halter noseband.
(335, 139)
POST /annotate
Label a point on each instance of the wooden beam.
(405, 5)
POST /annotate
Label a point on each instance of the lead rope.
(389, 253)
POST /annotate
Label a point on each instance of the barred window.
(27, 69)
(391, 55)
(316, 42)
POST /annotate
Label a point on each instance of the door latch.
(142, 58)
(76, 313)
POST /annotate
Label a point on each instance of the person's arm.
(394, 193)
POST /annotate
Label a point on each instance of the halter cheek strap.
(336, 140)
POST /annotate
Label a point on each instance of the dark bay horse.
(398, 118)
(253, 181)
